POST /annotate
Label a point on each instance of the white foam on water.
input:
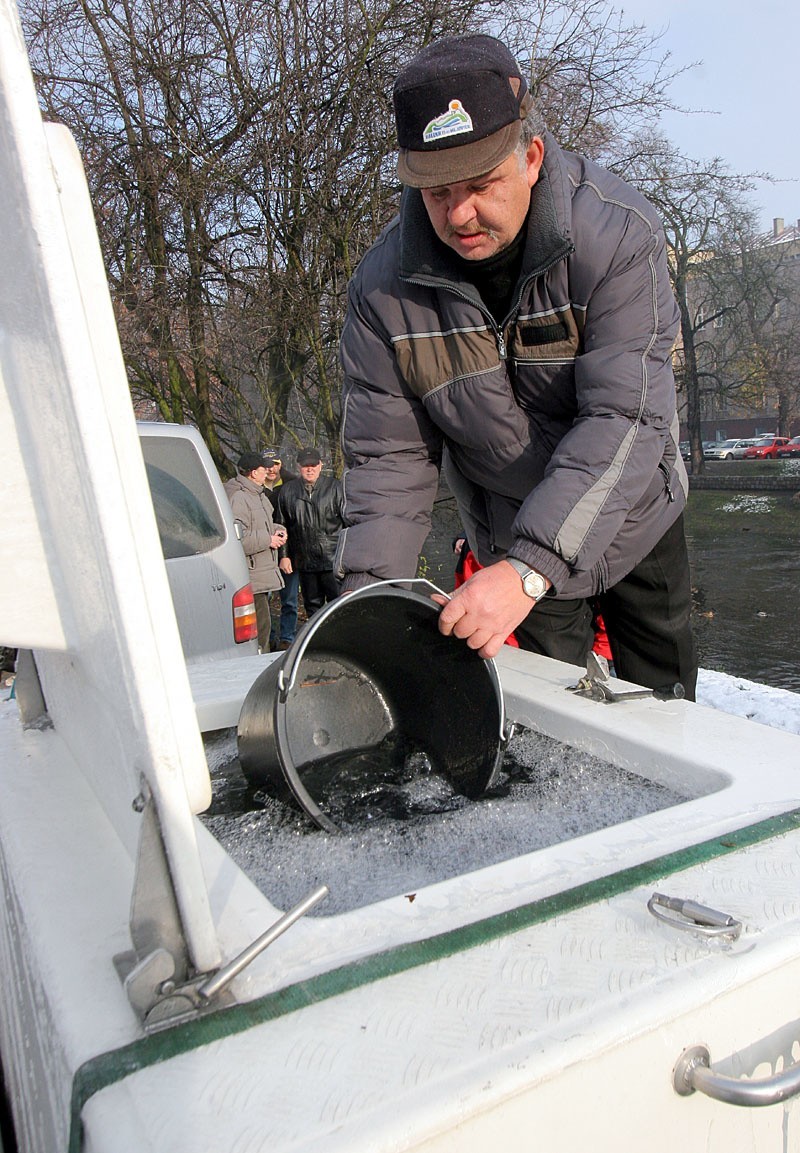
(546, 793)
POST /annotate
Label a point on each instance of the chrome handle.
(693, 1072)
(681, 913)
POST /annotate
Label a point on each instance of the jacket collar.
(249, 485)
(424, 258)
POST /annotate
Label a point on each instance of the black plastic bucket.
(370, 676)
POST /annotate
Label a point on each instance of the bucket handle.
(285, 686)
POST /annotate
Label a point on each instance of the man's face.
(310, 472)
(479, 218)
(273, 471)
(258, 475)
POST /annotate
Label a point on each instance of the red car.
(766, 446)
(790, 449)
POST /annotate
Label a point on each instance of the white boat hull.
(534, 1003)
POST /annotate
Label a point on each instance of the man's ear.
(534, 158)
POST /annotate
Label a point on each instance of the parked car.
(791, 449)
(206, 565)
(765, 447)
(732, 449)
(742, 446)
(686, 449)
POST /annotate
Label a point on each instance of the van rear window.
(188, 518)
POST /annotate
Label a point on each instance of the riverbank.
(747, 476)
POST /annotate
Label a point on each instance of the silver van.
(206, 565)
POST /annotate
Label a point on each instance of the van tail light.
(245, 627)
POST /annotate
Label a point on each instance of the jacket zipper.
(667, 486)
(502, 350)
(448, 287)
(497, 329)
(541, 271)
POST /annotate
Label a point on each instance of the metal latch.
(595, 685)
(682, 913)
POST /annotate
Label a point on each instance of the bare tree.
(759, 340)
(710, 230)
(239, 154)
(600, 80)
(235, 151)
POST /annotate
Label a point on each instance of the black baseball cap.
(250, 461)
(459, 107)
(308, 456)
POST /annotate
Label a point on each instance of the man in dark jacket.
(515, 325)
(311, 509)
(283, 631)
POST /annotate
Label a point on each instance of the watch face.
(534, 585)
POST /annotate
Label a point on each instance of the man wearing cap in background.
(515, 324)
(283, 631)
(311, 508)
(252, 512)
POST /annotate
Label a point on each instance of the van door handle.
(693, 1072)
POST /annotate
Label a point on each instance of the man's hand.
(285, 565)
(486, 608)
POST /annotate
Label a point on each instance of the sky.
(747, 84)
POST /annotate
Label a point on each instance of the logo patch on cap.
(451, 123)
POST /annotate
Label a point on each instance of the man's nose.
(460, 209)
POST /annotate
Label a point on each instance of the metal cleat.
(596, 685)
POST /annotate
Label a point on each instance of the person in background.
(311, 509)
(252, 512)
(514, 326)
(8, 665)
(285, 629)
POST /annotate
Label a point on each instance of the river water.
(744, 551)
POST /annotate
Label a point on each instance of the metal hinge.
(156, 973)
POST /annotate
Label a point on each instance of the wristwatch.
(534, 584)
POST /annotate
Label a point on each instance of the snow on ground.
(778, 708)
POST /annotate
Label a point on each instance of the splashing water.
(399, 835)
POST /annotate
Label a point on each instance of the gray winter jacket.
(252, 511)
(557, 430)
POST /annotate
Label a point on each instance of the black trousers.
(318, 588)
(647, 616)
